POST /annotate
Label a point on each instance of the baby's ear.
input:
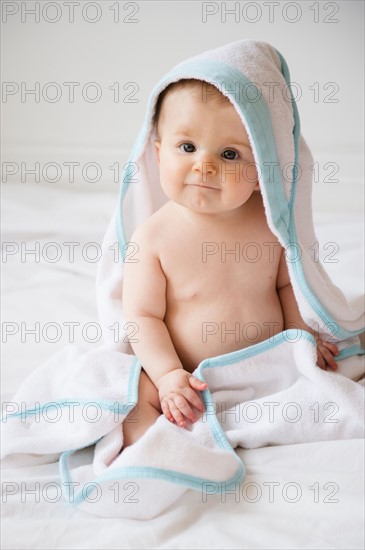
(257, 187)
(157, 147)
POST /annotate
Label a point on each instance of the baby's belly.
(200, 330)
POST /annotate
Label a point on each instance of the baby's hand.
(177, 390)
(325, 353)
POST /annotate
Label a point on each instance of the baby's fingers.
(177, 416)
(172, 413)
(194, 399)
(175, 408)
(197, 384)
(325, 356)
(184, 408)
(330, 346)
(166, 411)
(320, 361)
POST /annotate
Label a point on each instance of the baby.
(193, 294)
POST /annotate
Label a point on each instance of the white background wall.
(323, 44)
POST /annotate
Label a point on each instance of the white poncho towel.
(261, 395)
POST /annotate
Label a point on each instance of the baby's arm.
(144, 304)
(293, 319)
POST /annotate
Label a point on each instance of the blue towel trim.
(339, 332)
(349, 352)
(133, 472)
(103, 404)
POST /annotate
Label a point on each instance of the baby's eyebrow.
(182, 131)
(239, 143)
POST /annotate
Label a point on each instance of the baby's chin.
(198, 203)
(203, 207)
(202, 201)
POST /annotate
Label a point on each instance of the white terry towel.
(262, 395)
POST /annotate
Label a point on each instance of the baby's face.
(205, 159)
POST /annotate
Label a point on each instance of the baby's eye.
(187, 147)
(229, 154)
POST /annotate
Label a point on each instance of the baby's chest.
(209, 267)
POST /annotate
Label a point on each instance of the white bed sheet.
(323, 505)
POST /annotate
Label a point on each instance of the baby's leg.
(146, 412)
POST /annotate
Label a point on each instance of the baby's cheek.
(249, 172)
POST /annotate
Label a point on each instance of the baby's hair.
(184, 83)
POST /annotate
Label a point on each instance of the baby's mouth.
(203, 186)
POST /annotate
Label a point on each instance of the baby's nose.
(205, 167)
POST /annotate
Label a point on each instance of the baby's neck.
(234, 216)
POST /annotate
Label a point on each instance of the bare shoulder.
(152, 232)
